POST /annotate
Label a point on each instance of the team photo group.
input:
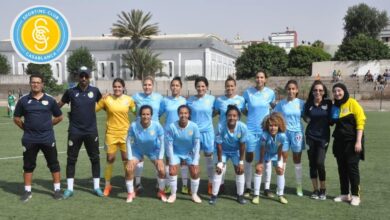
(254, 146)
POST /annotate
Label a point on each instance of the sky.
(251, 19)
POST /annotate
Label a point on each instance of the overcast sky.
(251, 19)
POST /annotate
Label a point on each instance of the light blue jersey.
(155, 100)
(271, 144)
(183, 142)
(231, 141)
(221, 104)
(145, 141)
(202, 111)
(258, 104)
(169, 107)
(292, 112)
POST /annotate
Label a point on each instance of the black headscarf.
(345, 98)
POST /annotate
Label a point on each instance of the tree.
(45, 70)
(142, 62)
(4, 65)
(272, 59)
(300, 59)
(80, 57)
(318, 44)
(362, 47)
(134, 25)
(362, 19)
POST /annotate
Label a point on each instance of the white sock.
(70, 182)
(184, 174)
(167, 176)
(194, 186)
(224, 174)
(210, 168)
(138, 172)
(240, 184)
(257, 184)
(216, 183)
(161, 183)
(96, 183)
(267, 175)
(298, 173)
(27, 188)
(248, 175)
(57, 186)
(130, 186)
(280, 183)
(173, 184)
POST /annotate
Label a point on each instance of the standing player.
(145, 138)
(292, 110)
(231, 138)
(155, 100)
(117, 107)
(183, 145)
(259, 100)
(169, 108)
(221, 104)
(273, 143)
(11, 104)
(41, 113)
(317, 113)
(201, 106)
(82, 129)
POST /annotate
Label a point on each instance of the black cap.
(84, 71)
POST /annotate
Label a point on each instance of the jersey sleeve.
(55, 109)
(196, 142)
(218, 135)
(129, 142)
(358, 112)
(19, 111)
(278, 107)
(66, 97)
(284, 142)
(244, 132)
(98, 95)
(100, 105)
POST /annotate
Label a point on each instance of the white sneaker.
(171, 198)
(343, 198)
(195, 198)
(355, 201)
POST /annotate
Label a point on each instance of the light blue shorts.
(295, 141)
(207, 141)
(139, 155)
(253, 143)
(271, 157)
(233, 156)
(178, 158)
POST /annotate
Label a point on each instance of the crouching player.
(231, 138)
(183, 139)
(273, 143)
(145, 138)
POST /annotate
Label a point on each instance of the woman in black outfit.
(317, 113)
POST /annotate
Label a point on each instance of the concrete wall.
(11, 79)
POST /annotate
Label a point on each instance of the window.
(193, 67)
(168, 68)
(107, 69)
(22, 66)
(288, 44)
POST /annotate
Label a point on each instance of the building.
(384, 35)
(182, 55)
(285, 40)
(239, 45)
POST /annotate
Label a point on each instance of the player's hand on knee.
(259, 168)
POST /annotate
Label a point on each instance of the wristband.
(280, 163)
(241, 162)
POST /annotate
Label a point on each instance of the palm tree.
(142, 62)
(134, 25)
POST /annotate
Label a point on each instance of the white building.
(239, 44)
(384, 35)
(285, 40)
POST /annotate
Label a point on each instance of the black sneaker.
(26, 196)
(139, 189)
(322, 194)
(58, 195)
(247, 193)
(241, 200)
(315, 194)
(213, 200)
(268, 193)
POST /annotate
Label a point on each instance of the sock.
(280, 183)
(267, 175)
(210, 168)
(57, 186)
(248, 175)
(108, 173)
(161, 184)
(184, 174)
(138, 172)
(173, 184)
(240, 184)
(257, 184)
(96, 183)
(224, 174)
(298, 173)
(70, 182)
(194, 186)
(167, 176)
(129, 186)
(216, 183)
(27, 188)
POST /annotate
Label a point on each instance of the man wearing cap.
(40, 113)
(82, 129)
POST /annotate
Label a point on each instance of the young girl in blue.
(273, 144)
(292, 111)
(202, 106)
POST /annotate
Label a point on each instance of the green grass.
(374, 186)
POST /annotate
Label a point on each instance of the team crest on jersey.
(207, 102)
(298, 138)
(345, 110)
(151, 133)
(77, 94)
(45, 102)
(237, 102)
(90, 95)
(239, 135)
(70, 143)
(324, 107)
(29, 101)
(190, 133)
(24, 149)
